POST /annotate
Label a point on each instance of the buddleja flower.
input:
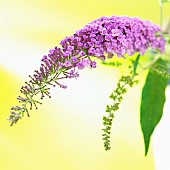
(104, 37)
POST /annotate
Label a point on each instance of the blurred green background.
(65, 132)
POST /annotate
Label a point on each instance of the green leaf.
(153, 99)
(135, 64)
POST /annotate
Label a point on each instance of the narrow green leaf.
(135, 64)
(153, 99)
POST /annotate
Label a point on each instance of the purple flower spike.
(101, 38)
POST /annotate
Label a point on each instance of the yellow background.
(65, 132)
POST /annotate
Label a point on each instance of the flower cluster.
(101, 38)
(115, 35)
